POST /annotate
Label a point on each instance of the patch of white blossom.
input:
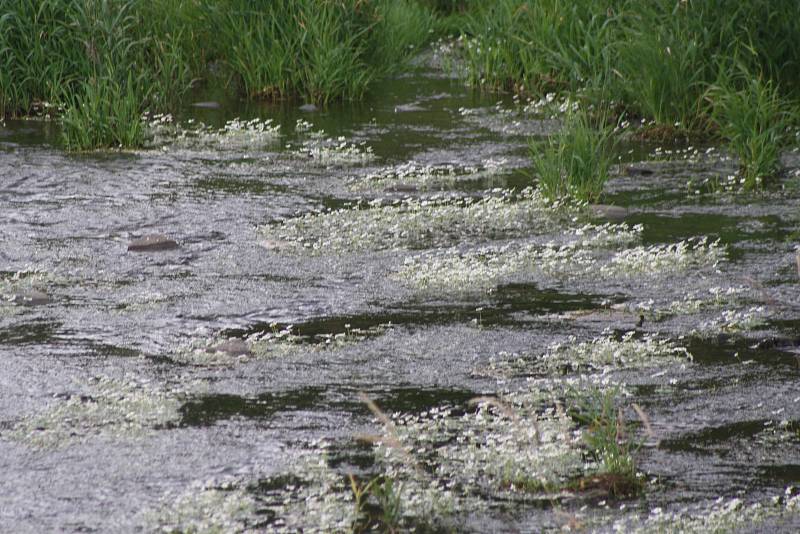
(723, 515)
(322, 503)
(694, 253)
(205, 507)
(486, 268)
(422, 176)
(236, 134)
(607, 353)
(278, 343)
(383, 224)
(737, 320)
(104, 406)
(325, 151)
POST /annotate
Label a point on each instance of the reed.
(574, 162)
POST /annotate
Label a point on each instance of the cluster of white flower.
(107, 406)
(737, 320)
(551, 105)
(205, 507)
(326, 151)
(488, 267)
(508, 444)
(236, 134)
(379, 224)
(425, 176)
(722, 515)
(319, 503)
(694, 253)
(606, 353)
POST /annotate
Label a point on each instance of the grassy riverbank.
(99, 64)
(685, 69)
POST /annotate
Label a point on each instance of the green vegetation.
(98, 64)
(756, 120)
(666, 62)
(378, 505)
(574, 162)
(610, 442)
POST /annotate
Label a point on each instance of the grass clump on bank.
(99, 64)
(663, 62)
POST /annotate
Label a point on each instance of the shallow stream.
(121, 411)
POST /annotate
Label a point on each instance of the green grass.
(610, 441)
(755, 120)
(574, 163)
(107, 61)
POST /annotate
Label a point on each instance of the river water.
(117, 414)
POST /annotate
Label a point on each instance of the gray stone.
(30, 298)
(153, 242)
(405, 108)
(232, 347)
(308, 108)
(207, 105)
(638, 171)
(607, 211)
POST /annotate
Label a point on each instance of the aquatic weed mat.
(585, 258)
(417, 223)
(280, 342)
(104, 406)
(413, 176)
(311, 497)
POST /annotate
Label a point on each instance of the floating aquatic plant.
(236, 134)
(737, 320)
(279, 343)
(413, 223)
(721, 515)
(420, 176)
(206, 507)
(607, 353)
(105, 406)
(326, 151)
(488, 267)
(666, 259)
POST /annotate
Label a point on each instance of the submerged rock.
(405, 108)
(207, 105)
(30, 298)
(308, 108)
(152, 242)
(607, 211)
(638, 171)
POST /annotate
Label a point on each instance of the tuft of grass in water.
(611, 443)
(574, 163)
(378, 505)
(755, 120)
(104, 113)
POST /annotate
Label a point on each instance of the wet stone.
(638, 171)
(207, 105)
(405, 108)
(153, 242)
(308, 108)
(232, 347)
(30, 298)
(607, 211)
